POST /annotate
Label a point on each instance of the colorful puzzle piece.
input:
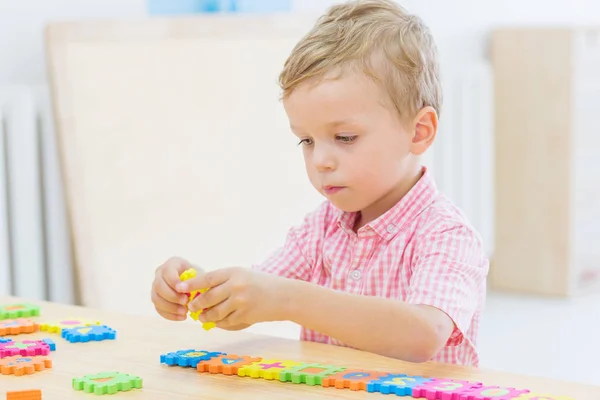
(188, 358)
(489, 393)
(24, 395)
(442, 389)
(58, 326)
(399, 384)
(227, 364)
(311, 374)
(24, 348)
(267, 369)
(19, 365)
(50, 344)
(2, 340)
(353, 379)
(189, 274)
(107, 383)
(21, 310)
(18, 326)
(85, 334)
(537, 396)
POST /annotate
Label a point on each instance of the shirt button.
(356, 274)
(391, 228)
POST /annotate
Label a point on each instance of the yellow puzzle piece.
(266, 369)
(189, 274)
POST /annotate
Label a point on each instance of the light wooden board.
(174, 141)
(141, 340)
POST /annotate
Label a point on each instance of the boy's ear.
(425, 125)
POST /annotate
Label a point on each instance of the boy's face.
(357, 152)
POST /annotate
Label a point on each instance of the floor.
(555, 338)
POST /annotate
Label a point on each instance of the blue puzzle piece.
(399, 384)
(188, 358)
(5, 340)
(50, 343)
(83, 334)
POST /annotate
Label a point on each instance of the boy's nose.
(324, 160)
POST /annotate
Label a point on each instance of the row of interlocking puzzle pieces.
(340, 377)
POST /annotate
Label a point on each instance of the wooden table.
(141, 340)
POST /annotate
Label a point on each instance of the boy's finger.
(171, 317)
(209, 299)
(166, 306)
(204, 281)
(218, 312)
(165, 291)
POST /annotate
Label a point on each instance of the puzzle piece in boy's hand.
(538, 396)
(188, 358)
(19, 365)
(21, 310)
(267, 369)
(311, 374)
(24, 348)
(489, 393)
(226, 364)
(443, 388)
(189, 274)
(353, 379)
(83, 334)
(68, 323)
(107, 383)
(24, 395)
(399, 384)
(18, 326)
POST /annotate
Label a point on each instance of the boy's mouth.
(332, 189)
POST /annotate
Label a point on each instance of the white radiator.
(35, 257)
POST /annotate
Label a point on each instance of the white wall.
(460, 26)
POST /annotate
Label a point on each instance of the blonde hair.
(379, 37)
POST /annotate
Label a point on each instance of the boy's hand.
(168, 302)
(237, 297)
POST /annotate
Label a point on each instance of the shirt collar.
(419, 197)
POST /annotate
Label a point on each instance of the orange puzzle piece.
(18, 326)
(19, 365)
(353, 379)
(24, 395)
(226, 364)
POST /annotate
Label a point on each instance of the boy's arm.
(388, 327)
(449, 270)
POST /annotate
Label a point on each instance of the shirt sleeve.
(296, 258)
(449, 272)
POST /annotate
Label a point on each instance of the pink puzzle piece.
(25, 348)
(443, 389)
(489, 393)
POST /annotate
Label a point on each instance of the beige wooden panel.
(174, 142)
(533, 116)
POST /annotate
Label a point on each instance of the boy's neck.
(388, 201)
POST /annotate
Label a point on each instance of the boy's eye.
(346, 139)
(305, 142)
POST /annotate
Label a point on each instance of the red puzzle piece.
(24, 348)
(442, 389)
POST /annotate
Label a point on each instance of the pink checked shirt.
(421, 251)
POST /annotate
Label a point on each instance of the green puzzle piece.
(107, 383)
(21, 310)
(311, 374)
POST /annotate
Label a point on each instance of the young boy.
(386, 264)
